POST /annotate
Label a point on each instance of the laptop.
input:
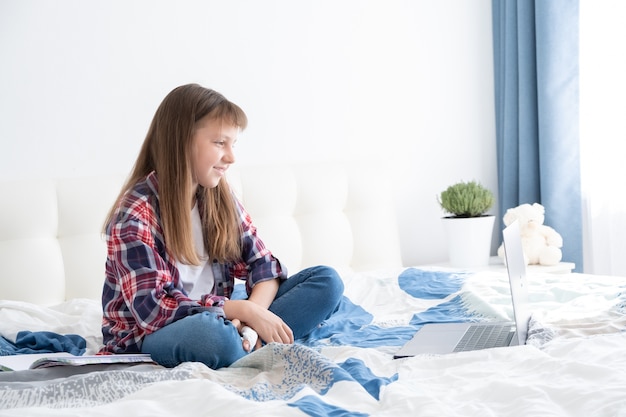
(442, 338)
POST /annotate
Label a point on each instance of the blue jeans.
(303, 302)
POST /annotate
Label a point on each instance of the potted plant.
(468, 226)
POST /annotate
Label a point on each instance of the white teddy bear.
(542, 244)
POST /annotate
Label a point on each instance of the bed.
(342, 215)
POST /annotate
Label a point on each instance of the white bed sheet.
(573, 365)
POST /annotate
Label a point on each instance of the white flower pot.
(469, 240)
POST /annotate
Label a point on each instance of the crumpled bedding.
(27, 342)
(573, 363)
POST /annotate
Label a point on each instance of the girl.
(177, 238)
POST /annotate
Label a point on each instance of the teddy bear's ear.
(509, 217)
(539, 207)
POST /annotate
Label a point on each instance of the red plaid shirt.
(143, 291)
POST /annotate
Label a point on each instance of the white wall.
(407, 85)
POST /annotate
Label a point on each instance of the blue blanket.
(352, 325)
(28, 342)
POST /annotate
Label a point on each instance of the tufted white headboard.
(336, 214)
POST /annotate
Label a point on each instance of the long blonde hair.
(167, 150)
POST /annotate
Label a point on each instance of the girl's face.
(212, 154)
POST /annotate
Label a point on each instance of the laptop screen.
(516, 267)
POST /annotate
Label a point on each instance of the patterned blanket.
(346, 368)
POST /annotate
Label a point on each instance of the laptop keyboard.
(484, 336)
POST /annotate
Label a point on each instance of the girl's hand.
(268, 325)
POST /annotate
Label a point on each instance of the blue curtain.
(537, 133)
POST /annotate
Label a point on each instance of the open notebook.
(441, 338)
(45, 360)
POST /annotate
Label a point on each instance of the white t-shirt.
(197, 279)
